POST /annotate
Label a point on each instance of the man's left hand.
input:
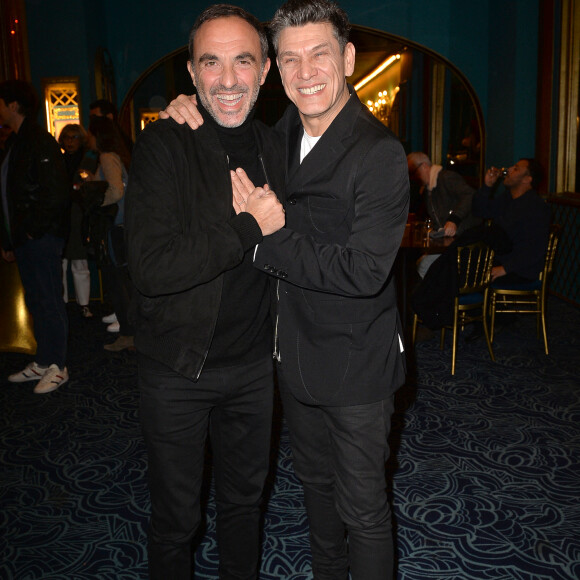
(450, 229)
(261, 202)
(497, 272)
(242, 188)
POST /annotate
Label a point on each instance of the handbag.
(97, 221)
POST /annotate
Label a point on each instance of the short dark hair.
(22, 93)
(301, 12)
(106, 107)
(535, 170)
(224, 11)
(109, 138)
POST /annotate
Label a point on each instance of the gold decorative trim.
(61, 102)
(568, 97)
(437, 112)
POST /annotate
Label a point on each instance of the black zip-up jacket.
(37, 183)
(181, 237)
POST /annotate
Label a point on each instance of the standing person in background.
(114, 161)
(202, 311)
(73, 141)
(104, 108)
(447, 198)
(33, 228)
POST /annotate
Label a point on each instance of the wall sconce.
(382, 105)
(383, 66)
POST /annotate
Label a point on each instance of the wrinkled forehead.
(306, 36)
(522, 165)
(226, 34)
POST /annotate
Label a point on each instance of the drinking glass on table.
(428, 228)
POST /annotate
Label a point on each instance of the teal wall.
(493, 42)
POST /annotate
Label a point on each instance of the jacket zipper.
(276, 349)
(215, 321)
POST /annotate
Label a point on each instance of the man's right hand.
(183, 109)
(491, 176)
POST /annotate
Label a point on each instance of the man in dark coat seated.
(524, 216)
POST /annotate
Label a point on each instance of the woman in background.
(114, 161)
(73, 142)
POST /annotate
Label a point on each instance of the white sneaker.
(32, 372)
(109, 318)
(114, 327)
(52, 379)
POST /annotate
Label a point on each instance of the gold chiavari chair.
(528, 298)
(474, 262)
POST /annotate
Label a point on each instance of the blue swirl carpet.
(484, 474)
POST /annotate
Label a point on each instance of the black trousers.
(235, 405)
(339, 455)
(118, 286)
(40, 266)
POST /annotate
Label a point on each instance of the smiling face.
(227, 69)
(313, 72)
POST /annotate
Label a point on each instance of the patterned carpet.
(485, 476)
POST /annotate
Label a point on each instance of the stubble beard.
(218, 118)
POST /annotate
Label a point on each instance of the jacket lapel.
(329, 148)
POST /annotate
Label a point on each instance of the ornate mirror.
(420, 95)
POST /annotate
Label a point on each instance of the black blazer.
(340, 338)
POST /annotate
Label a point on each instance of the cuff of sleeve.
(453, 218)
(248, 230)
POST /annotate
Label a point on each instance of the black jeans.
(40, 266)
(235, 404)
(339, 455)
(118, 287)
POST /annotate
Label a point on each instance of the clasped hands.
(261, 202)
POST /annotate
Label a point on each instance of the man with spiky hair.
(340, 346)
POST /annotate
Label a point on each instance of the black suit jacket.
(340, 339)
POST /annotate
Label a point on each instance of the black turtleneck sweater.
(244, 329)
